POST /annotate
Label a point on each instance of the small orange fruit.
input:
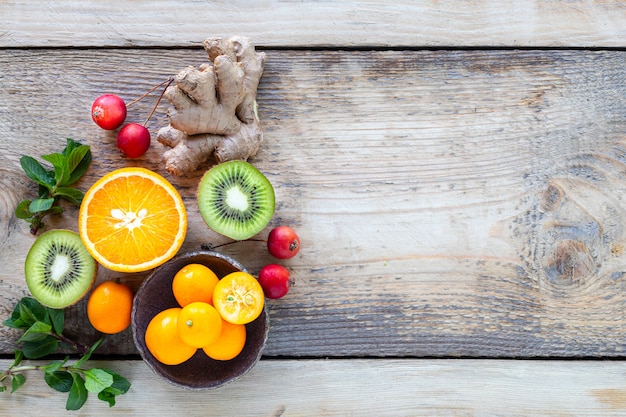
(109, 307)
(239, 298)
(199, 324)
(194, 282)
(163, 341)
(229, 344)
(132, 219)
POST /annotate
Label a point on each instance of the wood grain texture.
(361, 388)
(450, 203)
(378, 23)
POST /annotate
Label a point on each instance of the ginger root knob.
(214, 107)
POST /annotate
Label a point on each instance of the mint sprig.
(54, 184)
(43, 334)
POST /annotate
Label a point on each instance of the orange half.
(132, 219)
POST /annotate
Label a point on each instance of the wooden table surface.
(456, 171)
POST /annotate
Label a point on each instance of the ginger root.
(214, 108)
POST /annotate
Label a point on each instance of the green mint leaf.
(80, 169)
(32, 337)
(40, 204)
(3, 388)
(97, 380)
(31, 310)
(70, 146)
(16, 310)
(107, 396)
(61, 381)
(76, 156)
(120, 384)
(36, 172)
(79, 158)
(68, 167)
(87, 355)
(78, 393)
(55, 210)
(22, 211)
(70, 194)
(43, 192)
(61, 167)
(26, 312)
(57, 319)
(16, 323)
(18, 381)
(38, 331)
(39, 349)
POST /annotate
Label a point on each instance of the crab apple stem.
(167, 84)
(211, 246)
(168, 81)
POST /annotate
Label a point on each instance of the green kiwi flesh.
(235, 199)
(58, 269)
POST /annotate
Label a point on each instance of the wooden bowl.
(200, 372)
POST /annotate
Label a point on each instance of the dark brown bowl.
(200, 372)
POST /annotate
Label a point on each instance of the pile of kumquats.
(211, 316)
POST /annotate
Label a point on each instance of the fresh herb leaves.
(54, 184)
(43, 334)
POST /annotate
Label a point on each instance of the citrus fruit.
(199, 324)
(194, 282)
(162, 338)
(239, 298)
(109, 307)
(132, 219)
(229, 344)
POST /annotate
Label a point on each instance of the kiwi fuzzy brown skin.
(50, 246)
(238, 177)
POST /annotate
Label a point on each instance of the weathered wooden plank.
(361, 388)
(295, 23)
(450, 203)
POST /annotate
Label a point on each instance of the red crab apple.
(274, 280)
(133, 140)
(283, 242)
(108, 111)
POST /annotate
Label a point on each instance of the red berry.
(134, 140)
(108, 111)
(283, 242)
(274, 280)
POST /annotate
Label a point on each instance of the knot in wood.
(571, 261)
(551, 198)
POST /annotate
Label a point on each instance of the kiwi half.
(58, 269)
(235, 199)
